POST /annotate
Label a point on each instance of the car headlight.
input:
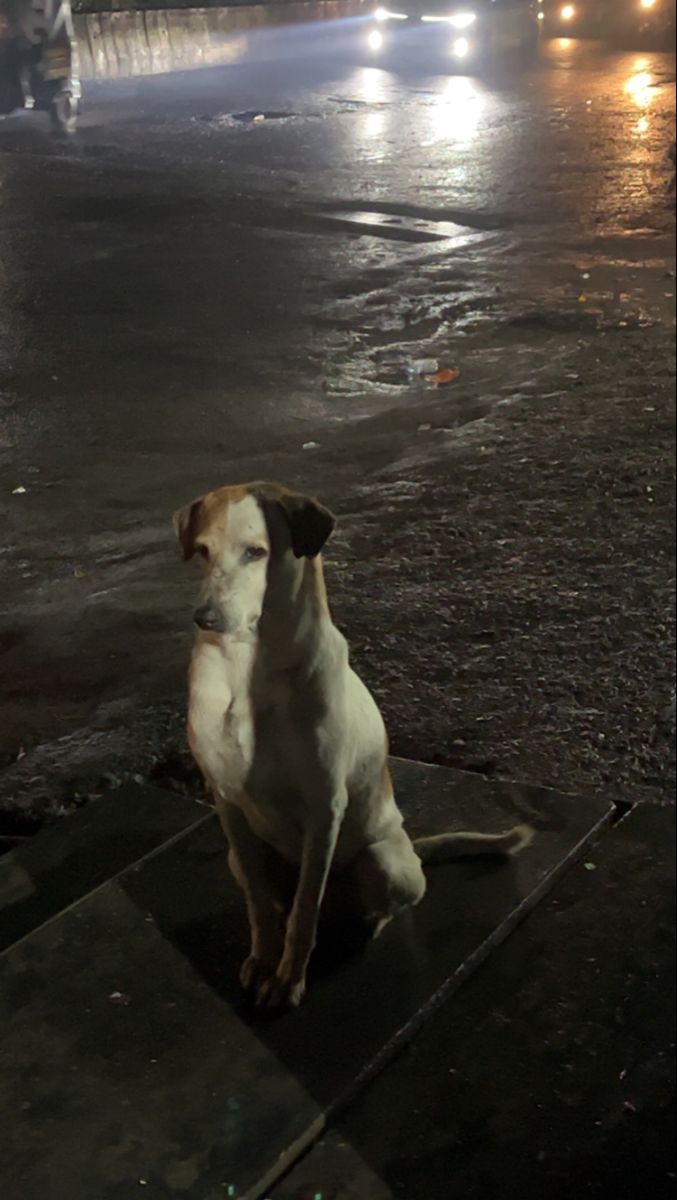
(461, 48)
(568, 12)
(375, 40)
(384, 14)
(457, 20)
(463, 20)
(647, 3)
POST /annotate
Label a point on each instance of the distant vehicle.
(648, 20)
(38, 60)
(462, 33)
(631, 19)
(584, 18)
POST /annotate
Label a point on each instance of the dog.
(289, 740)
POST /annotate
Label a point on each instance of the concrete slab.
(131, 1060)
(64, 862)
(552, 1072)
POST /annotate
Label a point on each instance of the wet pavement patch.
(556, 321)
(127, 1027)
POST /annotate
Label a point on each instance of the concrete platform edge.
(411, 1028)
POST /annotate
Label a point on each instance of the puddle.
(423, 214)
(256, 115)
(556, 321)
(390, 225)
(370, 222)
(253, 116)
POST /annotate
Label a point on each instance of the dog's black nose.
(209, 617)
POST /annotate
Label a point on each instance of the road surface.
(192, 295)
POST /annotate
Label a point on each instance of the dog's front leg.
(247, 862)
(286, 988)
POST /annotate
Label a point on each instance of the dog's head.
(237, 532)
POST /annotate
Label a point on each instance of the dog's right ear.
(186, 522)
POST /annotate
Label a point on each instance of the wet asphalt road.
(189, 296)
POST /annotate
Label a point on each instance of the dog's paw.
(378, 924)
(279, 992)
(255, 971)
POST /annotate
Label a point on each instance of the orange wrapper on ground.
(441, 378)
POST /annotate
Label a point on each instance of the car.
(461, 33)
(582, 19)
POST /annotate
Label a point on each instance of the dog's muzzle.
(209, 618)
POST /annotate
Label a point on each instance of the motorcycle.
(39, 60)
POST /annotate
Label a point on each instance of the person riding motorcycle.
(38, 60)
(11, 91)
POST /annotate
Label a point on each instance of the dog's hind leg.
(388, 877)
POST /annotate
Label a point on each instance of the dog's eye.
(202, 551)
(253, 553)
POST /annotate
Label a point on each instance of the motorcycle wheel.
(63, 111)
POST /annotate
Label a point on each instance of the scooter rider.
(39, 60)
(20, 50)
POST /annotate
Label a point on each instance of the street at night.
(190, 298)
(254, 271)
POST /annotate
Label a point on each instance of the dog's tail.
(444, 847)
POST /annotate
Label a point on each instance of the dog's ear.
(186, 522)
(310, 523)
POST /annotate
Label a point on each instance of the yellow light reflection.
(638, 88)
(456, 114)
(642, 126)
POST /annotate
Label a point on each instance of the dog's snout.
(209, 617)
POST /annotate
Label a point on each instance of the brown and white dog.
(289, 740)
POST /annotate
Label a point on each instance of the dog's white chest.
(247, 762)
(220, 724)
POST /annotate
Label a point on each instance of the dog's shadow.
(363, 994)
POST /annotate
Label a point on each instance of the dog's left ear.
(186, 522)
(310, 523)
